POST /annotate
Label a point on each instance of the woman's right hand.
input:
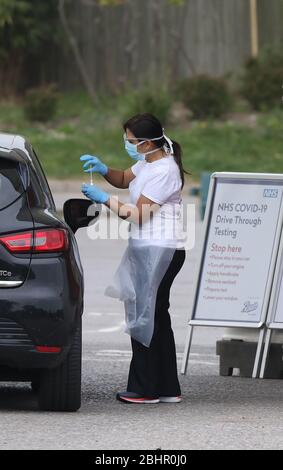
(93, 165)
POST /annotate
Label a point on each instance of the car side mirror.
(77, 213)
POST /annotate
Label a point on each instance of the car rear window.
(11, 186)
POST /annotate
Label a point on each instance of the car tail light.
(42, 241)
(50, 240)
(48, 349)
(18, 243)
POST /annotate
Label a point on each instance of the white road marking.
(113, 352)
(121, 355)
(117, 352)
(127, 359)
(112, 329)
(100, 314)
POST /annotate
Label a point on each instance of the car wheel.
(35, 386)
(60, 388)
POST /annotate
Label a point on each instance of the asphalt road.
(216, 412)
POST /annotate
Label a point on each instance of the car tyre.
(60, 388)
(35, 386)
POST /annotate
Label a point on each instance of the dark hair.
(148, 126)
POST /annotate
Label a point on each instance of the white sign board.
(242, 227)
(278, 318)
(275, 315)
(275, 308)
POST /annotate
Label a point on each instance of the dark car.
(41, 280)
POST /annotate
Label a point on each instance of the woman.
(153, 258)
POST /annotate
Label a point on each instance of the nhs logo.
(267, 192)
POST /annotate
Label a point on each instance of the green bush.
(40, 104)
(151, 99)
(205, 96)
(262, 80)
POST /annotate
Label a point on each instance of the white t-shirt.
(160, 181)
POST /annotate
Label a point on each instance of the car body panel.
(46, 308)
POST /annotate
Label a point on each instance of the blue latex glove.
(95, 194)
(93, 165)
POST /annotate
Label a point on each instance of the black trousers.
(153, 370)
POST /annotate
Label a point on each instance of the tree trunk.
(85, 76)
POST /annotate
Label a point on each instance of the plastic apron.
(136, 283)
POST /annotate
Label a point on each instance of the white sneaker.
(170, 399)
(130, 397)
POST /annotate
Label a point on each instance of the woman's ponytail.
(177, 149)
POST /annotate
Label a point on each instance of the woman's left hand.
(94, 193)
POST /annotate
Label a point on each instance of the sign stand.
(258, 356)
(242, 225)
(275, 315)
(265, 352)
(187, 350)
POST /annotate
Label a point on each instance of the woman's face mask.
(132, 149)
